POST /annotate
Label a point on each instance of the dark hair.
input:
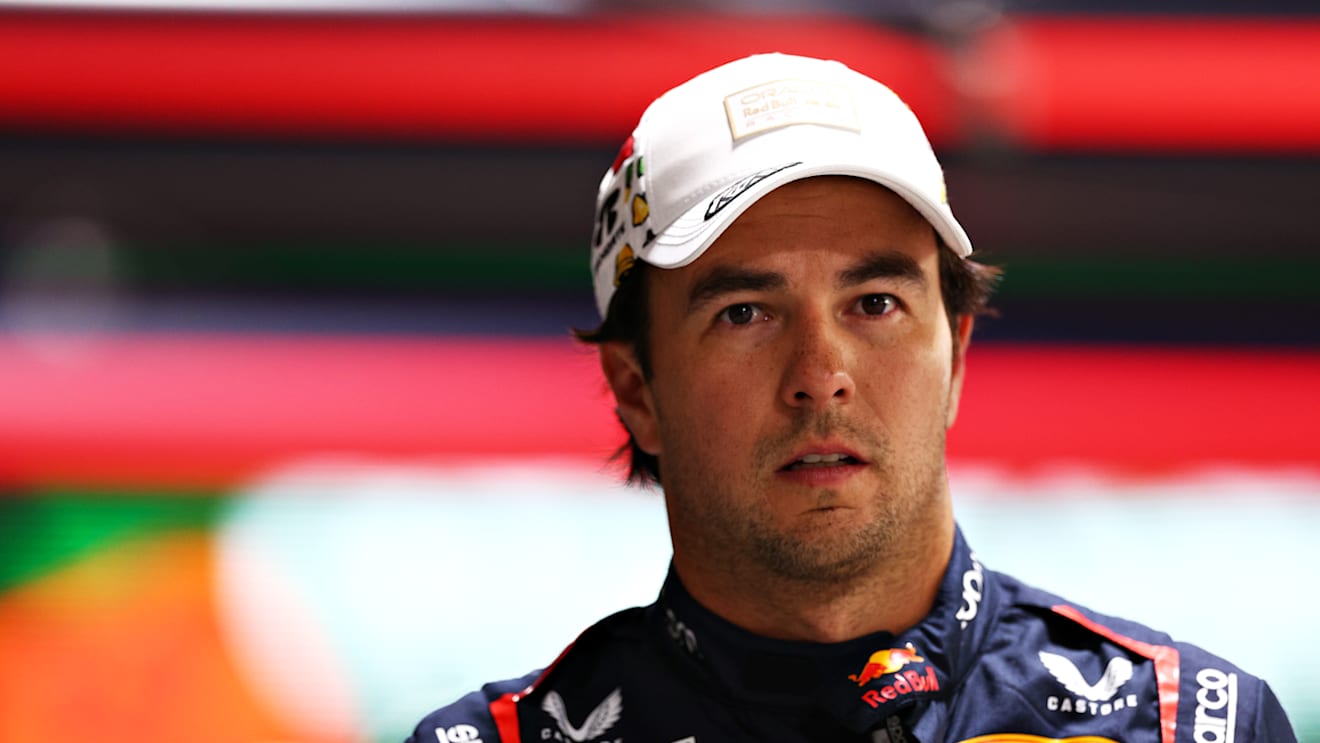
(965, 287)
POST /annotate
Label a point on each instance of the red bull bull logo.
(885, 662)
(893, 662)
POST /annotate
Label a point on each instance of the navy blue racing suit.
(993, 661)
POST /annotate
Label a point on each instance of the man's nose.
(818, 373)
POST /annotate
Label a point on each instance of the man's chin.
(822, 555)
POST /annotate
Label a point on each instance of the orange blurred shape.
(124, 645)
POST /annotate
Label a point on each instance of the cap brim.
(693, 232)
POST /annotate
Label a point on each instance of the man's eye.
(739, 314)
(878, 304)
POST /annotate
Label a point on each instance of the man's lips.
(822, 457)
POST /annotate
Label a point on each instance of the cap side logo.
(783, 103)
(740, 187)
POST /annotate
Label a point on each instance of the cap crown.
(706, 150)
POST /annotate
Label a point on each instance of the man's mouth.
(813, 461)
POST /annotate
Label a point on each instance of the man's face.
(804, 375)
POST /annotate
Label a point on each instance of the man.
(787, 304)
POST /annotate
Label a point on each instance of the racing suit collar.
(858, 683)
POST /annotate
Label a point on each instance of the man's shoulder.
(1200, 695)
(470, 719)
(1051, 608)
(482, 716)
(1071, 623)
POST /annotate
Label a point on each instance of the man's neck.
(894, 594)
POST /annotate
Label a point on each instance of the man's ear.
(632, 394)
(963, 329)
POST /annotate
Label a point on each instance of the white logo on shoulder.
(973, 585)
(1093, 699)
(1216, 707)
(598, 723)
(458, 734)
(785, 102)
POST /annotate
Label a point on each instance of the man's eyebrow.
(729, 279)
(882, 266)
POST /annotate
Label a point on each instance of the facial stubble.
(831, 546)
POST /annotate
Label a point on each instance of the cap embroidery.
(640, 211)
(623, 263)
(785, 102)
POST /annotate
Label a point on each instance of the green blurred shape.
(355, 266)
(43, 531)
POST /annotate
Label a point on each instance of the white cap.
(708, 149)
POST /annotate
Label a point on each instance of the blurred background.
(294, 445)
